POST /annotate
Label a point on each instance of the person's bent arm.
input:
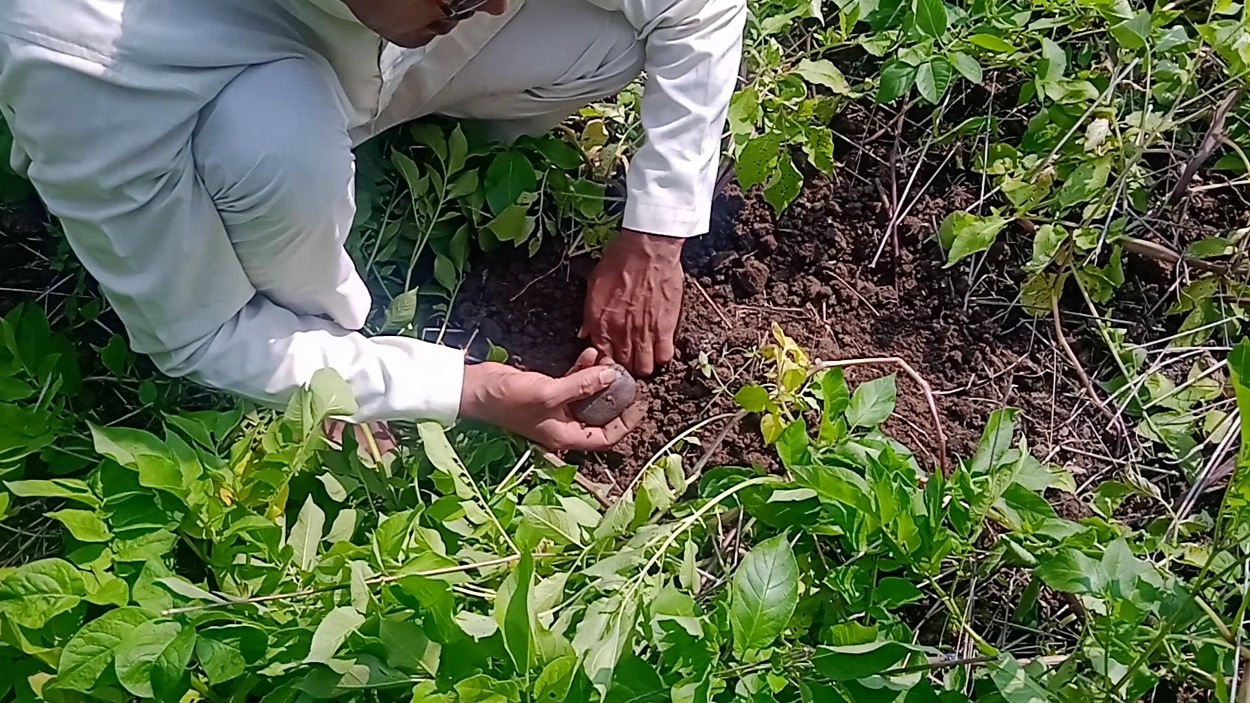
(693, 51)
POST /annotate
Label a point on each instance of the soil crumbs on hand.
(810, 271)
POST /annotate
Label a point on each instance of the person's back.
(198, 153)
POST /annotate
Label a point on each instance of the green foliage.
(189, 570)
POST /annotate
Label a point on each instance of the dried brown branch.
(1205, 148)
(1086, 383)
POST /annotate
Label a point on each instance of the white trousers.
(274, 153)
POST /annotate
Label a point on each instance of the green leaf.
(90, 651)
(603, 636)
(835, 484)
(931, 17)
(744, 110)
(445, 272)
(617, 519)
(509, 176)
(552, 522)
(408, 648)
(1071, 571)
(1046, 244)
(995, 441)
(36, 592)
(757, 160)
(1087, 181)
(223, 652)
(753, 398)
(333, 631)
(186, 589)
(151, 660)
(1014, 684)
(518, 630)
(123, 445)
(457, 150)
(785, 185)
(402, 311)
(967, 66)
(819, 148)
(763, 595)
(331, 395)
(67, 488)
(343, 527)
(858, 661)
(872, 402)
(963, 234)
(896, 80)
(823, 72)
(513, 224)
(559, 153)
(933, 78)
(991, 42)
(894, 592)
(13, 390)
(306, 535)
(1133, 33)
(84, 525)
(553, 684)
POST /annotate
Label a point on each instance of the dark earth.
(810, 271)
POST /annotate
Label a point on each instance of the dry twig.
(1086, 383)
(1206, 147)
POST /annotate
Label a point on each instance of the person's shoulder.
(150, 34)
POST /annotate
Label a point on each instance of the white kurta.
(166, 136)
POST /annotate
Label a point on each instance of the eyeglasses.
(456, 10)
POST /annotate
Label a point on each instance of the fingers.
(575, 436)
(581, 384)
(664, 348)
(589, 357)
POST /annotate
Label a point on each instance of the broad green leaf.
(332, 632)
(444, 458)
(1014, 684)
(559, 152)
(513, 224)
(84, 525)
(744, 110)
(617, 519)
(991, 42)
(123, 445)
(186, 589)
(1046, 244)
(933, 79)
(818, 146)
(306, 535)
(34, 593)
(457, 150)
(893, 592)
(967, 66)
(13, 390)
(90, 651)
(67, 488)
(518, 621)
(552, 522)
(1087, 181)
(753, 398)
(858, 661)
(872, 403)
(758, 160)
(931, 17)
(402, 311)
(603, 636)
(785, 184)
(1071, 571)
(331, 395)
(224, 652)
(1133, 33)
(408, 648)
(151, 660)
(509, 176)
(343, 527)
(896, 80)
(995, 441)
(835, 484)
(553, 684)
(963, 234)
(823, 72)
(764, 593)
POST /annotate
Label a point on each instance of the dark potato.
(608, 404)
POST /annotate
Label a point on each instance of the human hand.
(634, 301)
(536, 406)
(415, 23)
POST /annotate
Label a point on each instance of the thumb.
(581, 384)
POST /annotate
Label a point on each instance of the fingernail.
(607, 375)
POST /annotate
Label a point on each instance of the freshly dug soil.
(810, 272)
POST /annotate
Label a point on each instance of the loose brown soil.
(810, 271)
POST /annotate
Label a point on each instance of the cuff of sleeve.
(666, 220)
(428, 385)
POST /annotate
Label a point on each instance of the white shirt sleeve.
(693, 50)
(115, 164)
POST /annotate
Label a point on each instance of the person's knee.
(273, 148)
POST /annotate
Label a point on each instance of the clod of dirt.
(609, 403)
